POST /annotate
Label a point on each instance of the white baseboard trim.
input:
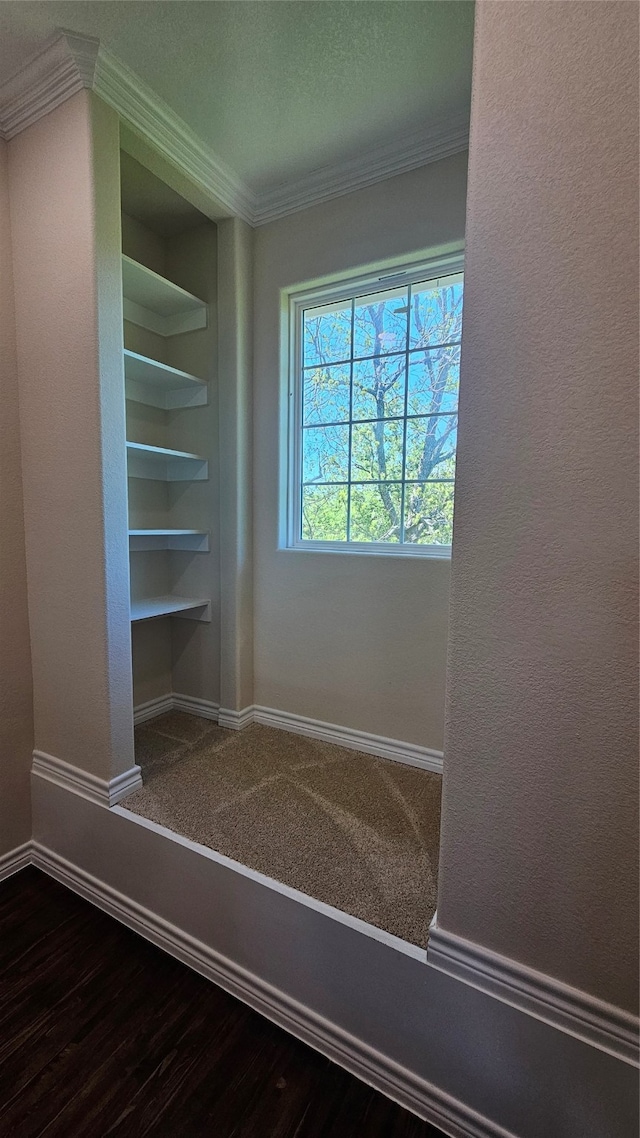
(174, 701)
(236, 720)
(393, 1080)
(152, 708)
(205, 708)
(101, 791)
(596, 1022)
(15, 860)
(356, 923)
(409, 753)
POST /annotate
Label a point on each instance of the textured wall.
(235, 280)
(539, 835)
(65, 220)
(354, 640)
(177, 655)
(191, 261)
(148, 500)
(528, 1079)
(16, 712)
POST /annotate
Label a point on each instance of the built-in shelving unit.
(158, 304)
(144, 540)
(189, 608)
(160, 385)
(165, 465)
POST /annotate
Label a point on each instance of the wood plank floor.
(103, 1034)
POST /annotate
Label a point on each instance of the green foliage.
(324, 513)
(368, 364)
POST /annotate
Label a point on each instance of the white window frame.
(294, 301)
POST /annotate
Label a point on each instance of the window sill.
(370, 549)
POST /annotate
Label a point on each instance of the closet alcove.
(169, 283)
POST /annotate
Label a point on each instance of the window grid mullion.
(380, 482)
(403, 482)
(300, 427)
(404, 423)
(353, 320)
(382, 355)
(390, 419)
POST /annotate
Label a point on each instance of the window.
(374, 412)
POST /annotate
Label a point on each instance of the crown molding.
(148, 115)
(69, 63)
(64, 66)
(407, 152)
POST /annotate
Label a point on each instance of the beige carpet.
(357, 832)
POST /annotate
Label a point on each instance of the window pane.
(436, 313)
(325, 454)
(327, 333)
(431, 447)
(378, 388)
(375, 512)
(428, 513)
(376, 451)
(434, 377)
(324, 513)
(378, 400)
(380, 323)
(325, 395)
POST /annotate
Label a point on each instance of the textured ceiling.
(277, 89)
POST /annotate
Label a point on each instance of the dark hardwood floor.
(103, 1034)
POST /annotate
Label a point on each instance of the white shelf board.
(160, 385)
(142, 540)
(189, 608)
(158, 304)
(162, 464)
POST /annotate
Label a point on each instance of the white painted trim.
(152, 708)
(154, 119)
(203, 707)
(339, 915)
(166, 326)
(399, 274)
(98, 790)
(64, 66)
(410, 753)
(146, 540)
(406, 152)
(374, 1068)
(174, 701)
(14, 860)
(69, 63)
(596, 1022)
(236, 720)
(568, 1009)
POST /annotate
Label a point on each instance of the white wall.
(540, 850)
(191, 261)
(538, 844)
(473, 1065)
(65, 217)
(16, 710)
(235, 279)
(354, 640)
(150, 639)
